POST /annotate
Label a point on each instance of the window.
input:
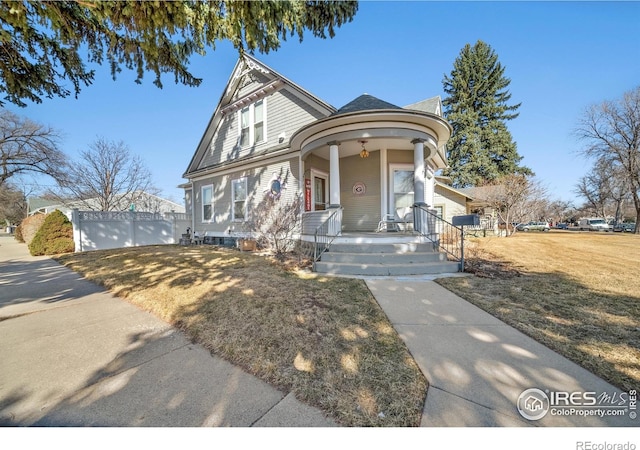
(253, 124)
(402, 188)
(258, 121)
(239, 199)
(244, 126)
(207, 203)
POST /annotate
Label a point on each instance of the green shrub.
(55, 236)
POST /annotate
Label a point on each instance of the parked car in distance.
(626, 227)
(593, 224)
(531, 226)
(562, 226)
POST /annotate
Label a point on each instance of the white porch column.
(384, 183)
(418, 174)
(334, 174)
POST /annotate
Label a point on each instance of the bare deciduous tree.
(28, 147)
(106, 174)
(611, 131)
(560, 211)
(13, 204)
(516, 198)
(605, 188)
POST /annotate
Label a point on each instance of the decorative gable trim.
(247, 66)
(253, 96)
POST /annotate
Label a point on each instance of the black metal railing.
(325, 233)
(445, 236)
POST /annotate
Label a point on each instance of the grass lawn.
(325, 339)
(577, 293)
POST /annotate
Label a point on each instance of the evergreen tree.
(42, 41)
(481, 148)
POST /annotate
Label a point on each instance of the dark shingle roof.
(364, 103)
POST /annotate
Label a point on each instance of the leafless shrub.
(275, 223)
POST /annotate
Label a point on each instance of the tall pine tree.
(481, 148)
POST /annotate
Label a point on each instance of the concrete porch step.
(383, 258)
(381, 269)
(386, 248)
(378, 254)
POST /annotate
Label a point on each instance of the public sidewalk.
(477, 366)
(71, 354)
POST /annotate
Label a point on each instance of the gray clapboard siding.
(258, 185)
(285, 113)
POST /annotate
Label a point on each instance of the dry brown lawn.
(325, 339)
(577, 293)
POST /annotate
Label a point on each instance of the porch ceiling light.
(364, 153)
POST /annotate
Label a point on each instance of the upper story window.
(253, 123)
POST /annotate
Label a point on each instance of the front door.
(401, 187)
(319, 194)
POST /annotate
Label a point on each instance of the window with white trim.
(253, 123)
(401, 192)
(244, 126)
(207, 203)
(239, 200)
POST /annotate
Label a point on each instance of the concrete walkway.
(477, 366)
(73, 355)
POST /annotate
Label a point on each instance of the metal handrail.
(445, 236)
(322, 237)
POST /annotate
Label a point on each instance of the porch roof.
(365, 102)
(393, 128)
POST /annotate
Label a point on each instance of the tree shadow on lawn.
(596, 330)
(324, 339)
(339, 354)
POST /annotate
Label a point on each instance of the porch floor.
(357, 237)
(372, 237)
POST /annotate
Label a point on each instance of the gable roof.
(365, 102)
(246, 64)
(431, 105)
(461, 192)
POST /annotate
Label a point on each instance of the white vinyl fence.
(101, 230)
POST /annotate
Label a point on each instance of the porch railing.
(444, 235)
(325, 233)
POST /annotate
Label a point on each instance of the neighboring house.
(449, 201)
(139, 201)
(269, 136)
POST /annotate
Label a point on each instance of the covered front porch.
(365, 169)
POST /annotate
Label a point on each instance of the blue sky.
(560, 56)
